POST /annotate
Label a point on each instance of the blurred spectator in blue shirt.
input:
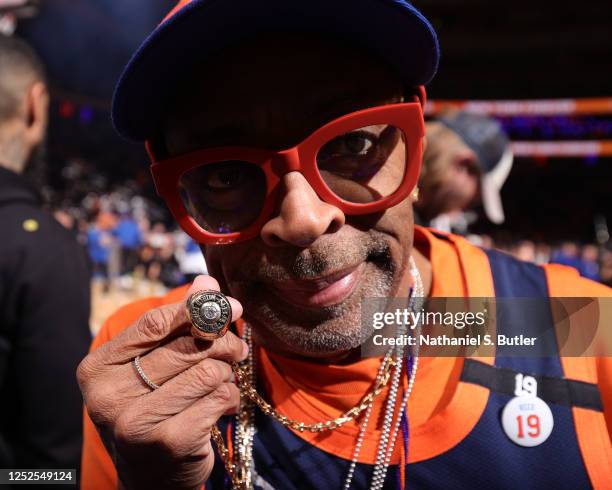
(589, 266)
(568, 255)
(129, 236)
(586, 261)
(99, 243)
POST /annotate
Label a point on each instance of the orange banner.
(543, 107)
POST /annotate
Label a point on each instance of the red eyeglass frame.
(301, 158)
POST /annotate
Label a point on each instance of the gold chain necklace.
(242, 376)
(239, 472)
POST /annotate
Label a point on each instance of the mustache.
(319, 260)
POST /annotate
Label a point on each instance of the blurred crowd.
(126, 233)
(130, 243)
(591, 261)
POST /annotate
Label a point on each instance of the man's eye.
(350, 144)
(225, 178)
(356, 144)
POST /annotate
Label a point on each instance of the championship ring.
(210, 313)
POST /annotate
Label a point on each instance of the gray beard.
(331, 330)
(341, 334)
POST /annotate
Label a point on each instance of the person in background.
(466, 161)
(605, 270)
(525, 250)
(585, 260)
(158, 238)
(542, 253)
(128, 234)
(99, 243)
(567, 254)
(44, 286)
(589, 266)
(156, 245)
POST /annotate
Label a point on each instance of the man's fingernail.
(245, 349)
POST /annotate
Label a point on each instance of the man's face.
(301, 281)
(451, 181)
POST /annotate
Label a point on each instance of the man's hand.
(161, 439)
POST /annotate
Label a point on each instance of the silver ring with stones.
(142, 374)
(210, 313)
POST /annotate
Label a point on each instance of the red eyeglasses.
(362, 163)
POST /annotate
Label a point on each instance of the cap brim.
(491, 201)
(391, 29)
(491, 185)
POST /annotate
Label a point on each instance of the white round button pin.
(527, 420)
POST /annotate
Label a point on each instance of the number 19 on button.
(527, 421)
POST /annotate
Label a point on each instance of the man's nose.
(302, 216)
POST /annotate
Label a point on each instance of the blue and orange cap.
(393, 30)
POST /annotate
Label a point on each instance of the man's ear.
(37, 113)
